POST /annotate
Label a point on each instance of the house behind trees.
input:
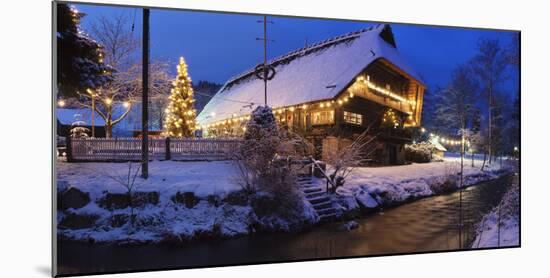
(330, 92)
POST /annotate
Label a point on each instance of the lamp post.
(93, 113)
(92, 94)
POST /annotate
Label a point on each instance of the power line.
(228, 99)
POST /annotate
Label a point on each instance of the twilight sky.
(218, 46)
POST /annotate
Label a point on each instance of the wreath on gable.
(267, 71)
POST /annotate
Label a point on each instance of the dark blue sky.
(218, 46)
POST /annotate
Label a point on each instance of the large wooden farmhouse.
(330, 92)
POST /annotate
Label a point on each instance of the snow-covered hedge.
(420, 152)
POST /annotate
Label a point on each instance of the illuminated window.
(353, 118)
(322, 117)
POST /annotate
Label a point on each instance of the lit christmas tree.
(181, 113)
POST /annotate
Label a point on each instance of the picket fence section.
(129, 149)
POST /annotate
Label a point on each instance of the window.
(353, 118)
(322, 117)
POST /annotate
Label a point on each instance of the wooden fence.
(129, 149)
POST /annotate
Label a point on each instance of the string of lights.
(447, 140)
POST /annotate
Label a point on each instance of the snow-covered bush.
(447, 182)
(260, 143)
(261, 139)
(79, 132)
(420, 152)
(271, 178)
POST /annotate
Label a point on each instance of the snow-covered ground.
(488, 232)
(218, 207)
(166, 177)
(375, 187)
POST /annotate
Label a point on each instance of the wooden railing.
(129, 149)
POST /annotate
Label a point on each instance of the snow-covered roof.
(68, 116)
(438, 145)
(317, 72)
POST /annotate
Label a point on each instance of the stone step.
(326, 211)
(312, 190)
(327, 217)
(323, 205)
(315, 194)
(317, 200)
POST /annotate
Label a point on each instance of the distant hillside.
(204, 91)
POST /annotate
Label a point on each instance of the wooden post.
(498, 226)
(145, 98)
(69, 146)
(167, 152)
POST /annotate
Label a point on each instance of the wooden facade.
(332, 123)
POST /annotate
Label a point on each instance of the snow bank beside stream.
(374, 187)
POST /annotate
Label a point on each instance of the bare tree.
(128, 181)
(116, 35)
(345, 159)
(113, 100)
(490, 65)
(457, 106)
(160, 85)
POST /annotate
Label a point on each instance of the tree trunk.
(108, 130)
(484, 159)
(490, 121)
(473, 154)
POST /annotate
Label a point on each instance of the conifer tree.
(181, 113)
(79, 58)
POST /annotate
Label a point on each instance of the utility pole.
(145, 98)
(268, 71)
(265, 60)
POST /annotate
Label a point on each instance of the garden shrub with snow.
(277, 202)
(420, 152)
